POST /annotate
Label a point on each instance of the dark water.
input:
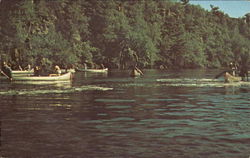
(164, 114)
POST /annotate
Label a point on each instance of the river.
(164, 114)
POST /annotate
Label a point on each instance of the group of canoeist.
(56, 72)
(7, 71)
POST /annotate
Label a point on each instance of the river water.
(164, 114)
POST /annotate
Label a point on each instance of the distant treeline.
(166, 34)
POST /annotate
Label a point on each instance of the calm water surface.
(164, 114)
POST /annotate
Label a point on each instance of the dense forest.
(173, 34)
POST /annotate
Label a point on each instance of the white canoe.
(92, 70)
(63, 77)
(230, 78)
(19, 72)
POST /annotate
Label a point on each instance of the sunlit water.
(164, 114)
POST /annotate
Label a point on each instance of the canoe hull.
(64, 77)
(230, 78)
(18, 72)
(92, 70)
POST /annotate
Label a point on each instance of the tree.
(70, 32)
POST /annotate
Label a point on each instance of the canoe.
(134, 73)
(230, 78)
(63, 77)
(91, 70)
(18, 72)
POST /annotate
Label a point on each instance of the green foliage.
(172, 33)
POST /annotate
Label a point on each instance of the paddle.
(220, 74)
(138, 70)
(5, 75)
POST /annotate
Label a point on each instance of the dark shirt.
(37, 71)
(7, 70)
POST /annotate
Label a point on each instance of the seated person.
(37, 71)
(28, 68)
(233, 68)
(102, 66)
(138, 70)
(6, 70)
(57, 71)
(85, 67)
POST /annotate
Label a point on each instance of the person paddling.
(37, 71)
(233, 68)
(6, 71)
(136, 59)
(138, 70)
(58, 70)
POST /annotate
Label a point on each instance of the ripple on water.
(115, 100)
(119, 107)
(162, 99)
(199, 118)
(54, 91)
